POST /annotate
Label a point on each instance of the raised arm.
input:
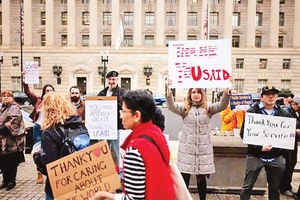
(172, 106)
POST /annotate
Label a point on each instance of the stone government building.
(72, 34)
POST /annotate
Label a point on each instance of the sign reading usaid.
(266, 129)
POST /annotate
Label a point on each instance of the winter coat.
(159, 119)
(195, 151)
(12, 129)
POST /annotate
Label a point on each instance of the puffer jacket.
(195, 151)
(12, 129)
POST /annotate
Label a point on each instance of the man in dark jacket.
(113, 89)
(79, 105)
(271, 158)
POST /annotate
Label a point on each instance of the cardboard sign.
(101, 118)
(200, 63)
(81, 174)
(237, 100)
(266, 129)
(32, 73)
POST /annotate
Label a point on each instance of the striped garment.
(134, 176)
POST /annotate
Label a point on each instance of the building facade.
(75, 34)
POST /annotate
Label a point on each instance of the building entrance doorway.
(81, 82)
(126, 83)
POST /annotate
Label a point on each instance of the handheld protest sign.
(101, 117)
(83, 173)
(266, 129)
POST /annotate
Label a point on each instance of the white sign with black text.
(266, 129)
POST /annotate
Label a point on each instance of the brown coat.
(81, 112)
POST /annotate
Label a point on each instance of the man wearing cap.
(113, 89)
(271, 158)
(291, 157)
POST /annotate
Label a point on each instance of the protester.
(291, 157)
(267, 156)
(143, 161)
(12, 139)
(231, 119)
(78, 104)
(113, 89)
(57, 111)
(195, 151)
(159, 118)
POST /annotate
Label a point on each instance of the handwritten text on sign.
(206, 63)
(265, 129)
(101, 119)
(80, 175)
(32, 73)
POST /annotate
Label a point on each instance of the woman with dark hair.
(146, 161)
(12, 139)
(37, 115)
(195, 150)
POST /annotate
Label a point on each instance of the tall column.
(204, 6)
(93, 23)
(160, 20)
(296, 32)
(71, 23)
(228, 19)
(27, 22)
(115, 21)
(251, 23)
(182, 24)
(6, 20)
(49, 23)
(274, 23)
(137, 34)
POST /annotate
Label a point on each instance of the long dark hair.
(44, 89)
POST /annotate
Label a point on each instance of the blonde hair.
(189, 102)
(56, 110)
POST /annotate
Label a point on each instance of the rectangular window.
(85, 1)
(64, 1)
(263, 63)
(281, 19)
(149, 1)
(169, 38)
(239, 63)
(128, 1)
(149, 40)
(40, 85)
(215, 1)
(235, 41)
(128, 18)
(16, 83)
(43, 1)
(38, 60)
(192, 19)
(64, 17)
(237, 1)
(171, 1)
(260, 84)
(128, 41)
(107, 40)
(85, 40)
(192, 1)
(64, 40)
(286, 63)
(107, 1)
(213, 37)
(214, 19)
(1, 39)
(43, 18)
(282, 1)
(259, 1)
(258, 19)
(15, 61)
(236, 19)
(0, 18)
(239, 85)
(149, 18)
(285, 85)
(280, 41)
(192, 37)
(43, 40)
(171, 19)
(258, 41)
(85, 18)
(106, 18)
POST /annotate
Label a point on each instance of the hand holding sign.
(266, 147)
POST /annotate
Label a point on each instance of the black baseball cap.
(269, 88)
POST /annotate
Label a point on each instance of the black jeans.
(9, 167)
(274, 171)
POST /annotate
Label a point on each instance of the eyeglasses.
(124, 111)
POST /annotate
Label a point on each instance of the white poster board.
(32, 73)
(101, 119)
(266, 129)
(201, 63)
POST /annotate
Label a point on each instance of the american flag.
(205, 23)
(22, 23)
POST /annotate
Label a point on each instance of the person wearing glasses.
(267, 156)
(145, 163)
(37, 114)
